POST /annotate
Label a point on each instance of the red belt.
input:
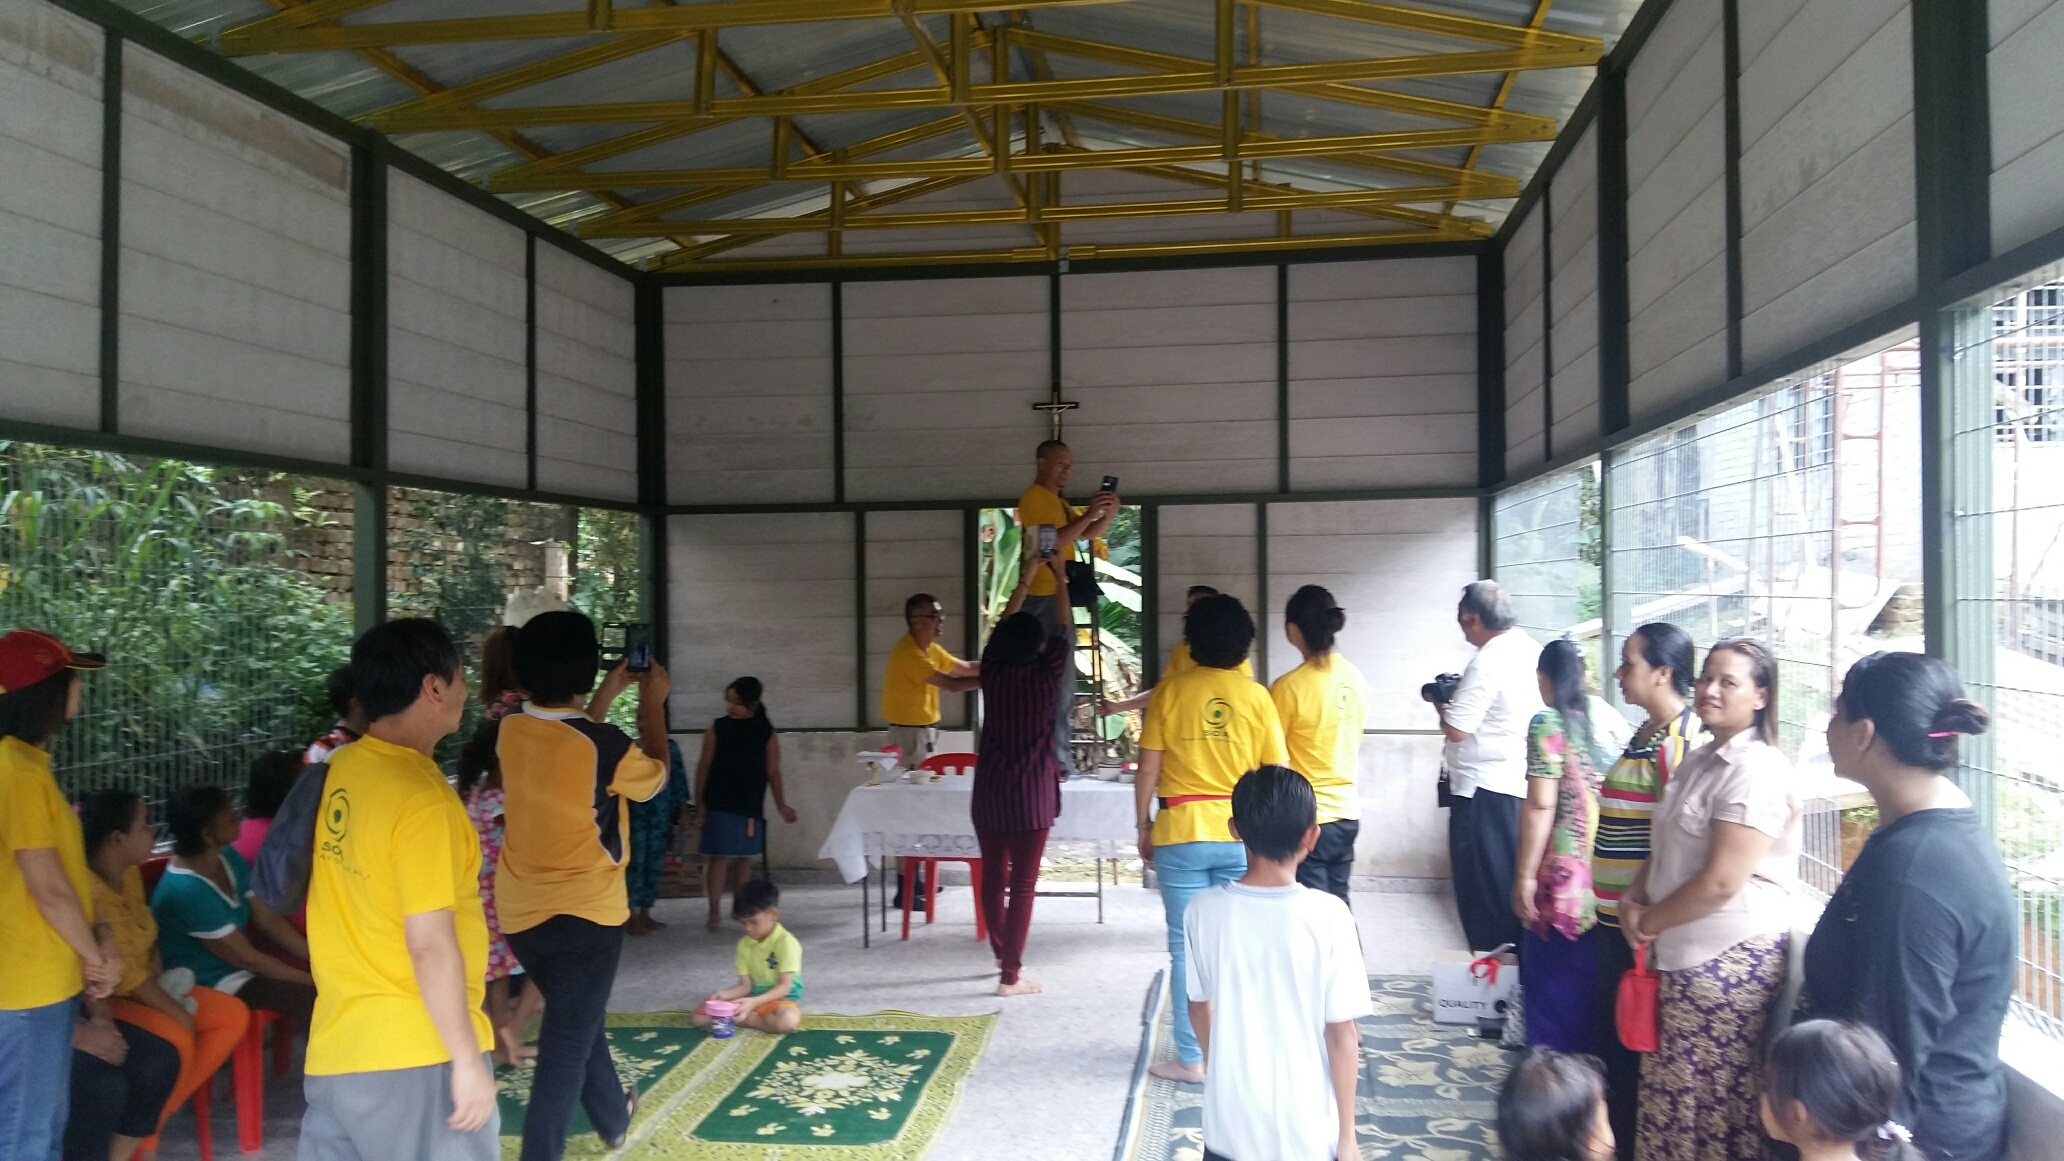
(1186, 799)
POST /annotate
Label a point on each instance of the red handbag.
(1634, 1010)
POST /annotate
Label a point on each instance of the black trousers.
(125, 1098)
(1483, 845)
(1330, 865)
(573, 963)
(1622, 1064)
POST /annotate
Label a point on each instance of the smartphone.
(638, 647)
(1047, 538)
(627, 641)
(1110, 484)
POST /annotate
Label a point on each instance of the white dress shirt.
(1498, 697)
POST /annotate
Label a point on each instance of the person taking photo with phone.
(1047, 599)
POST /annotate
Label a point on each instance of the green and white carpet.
(843, 1088)
(1429, 1092)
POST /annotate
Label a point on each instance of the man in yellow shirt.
(397, 939)
(1042, 503)
(1205, 729)
(919, 667)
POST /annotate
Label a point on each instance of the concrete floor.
(1052, 1083)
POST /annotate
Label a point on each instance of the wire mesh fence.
(218, 595)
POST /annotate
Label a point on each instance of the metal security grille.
(222, 598)
(1544, 550)
(2015, 766)
(1793, 518)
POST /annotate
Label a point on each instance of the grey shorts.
(917, 742)
(395, 1115)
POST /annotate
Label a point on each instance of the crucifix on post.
(1054, 406)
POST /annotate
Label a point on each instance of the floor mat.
(843, 1088)
(1429, 1091)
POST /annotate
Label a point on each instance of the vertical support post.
(369, 381)
(1490, 368)
(111, 234)
(1614, 360)
(530, 361)
(1053, 343)
(1730, 37)
(1486, 534)
(1283, 378)
(1261, 594)
(1150, 594)
(957, 52)
(1953, 229)
(1543, 208)
(649, 310)
(1608, 608)
(838, 392)
(705, 71)
(860, 620)
(971, 555)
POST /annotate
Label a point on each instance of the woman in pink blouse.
(1712, 903)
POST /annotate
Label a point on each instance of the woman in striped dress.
(1017, 773)
(1655, 675)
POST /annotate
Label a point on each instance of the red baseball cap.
(27, 657)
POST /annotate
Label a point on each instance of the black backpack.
(279, 875)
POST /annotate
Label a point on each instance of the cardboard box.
(1461, 993)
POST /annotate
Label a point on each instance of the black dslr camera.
(1441, 690)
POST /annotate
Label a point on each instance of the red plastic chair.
(952, 766)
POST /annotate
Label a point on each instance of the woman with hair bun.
(1829, 1090)
(1322, 704)
(1918, 941)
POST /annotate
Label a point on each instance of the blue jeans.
(1059, 618)
(36, 1079)
(1183, 870)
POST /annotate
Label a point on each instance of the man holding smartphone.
(1043, 503)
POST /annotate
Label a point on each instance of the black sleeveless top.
(738, 768)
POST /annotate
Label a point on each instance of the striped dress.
(1017, 773)
(1626, 806)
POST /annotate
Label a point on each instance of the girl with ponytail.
(1918, 941)
(1830, 1089)
(1323, 704)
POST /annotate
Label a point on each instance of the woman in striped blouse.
(1655, 676)
(1017, 773)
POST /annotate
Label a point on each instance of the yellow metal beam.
(1466, 28)
(817, 221)
(537, 72)
(1540, 17)
(1204, 79)
(1374, 240)
(825, 170)
(1086, 212)
(268, 36)
(1474, 227)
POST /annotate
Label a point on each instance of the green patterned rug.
(1429, 1092)
(845, 1088)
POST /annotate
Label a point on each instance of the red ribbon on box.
(1486, 968)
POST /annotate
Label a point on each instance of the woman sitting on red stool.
(203, 1024)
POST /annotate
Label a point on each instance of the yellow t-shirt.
(1180, 662)
(568, 785)
(392, 841)
(42, 968)
(765, 961)
(128, 916)
(1322, 709)
(1212, 726)
(907, 697)
(1040, 506)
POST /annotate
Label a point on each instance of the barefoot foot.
(1176, 1070)
(716, 922)
(1023, 987)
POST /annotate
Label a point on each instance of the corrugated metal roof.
(771, 58)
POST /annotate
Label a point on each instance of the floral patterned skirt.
(1701, 1087)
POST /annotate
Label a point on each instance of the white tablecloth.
(931, 818)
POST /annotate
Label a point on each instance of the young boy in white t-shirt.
(1276, 982)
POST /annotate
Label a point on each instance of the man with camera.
(1484, 716)
(1043, 504)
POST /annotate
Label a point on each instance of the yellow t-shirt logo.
(1218, 719)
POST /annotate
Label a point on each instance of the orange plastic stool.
(910, 865)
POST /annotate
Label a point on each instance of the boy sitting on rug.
(770, 965)
(1275, 984)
